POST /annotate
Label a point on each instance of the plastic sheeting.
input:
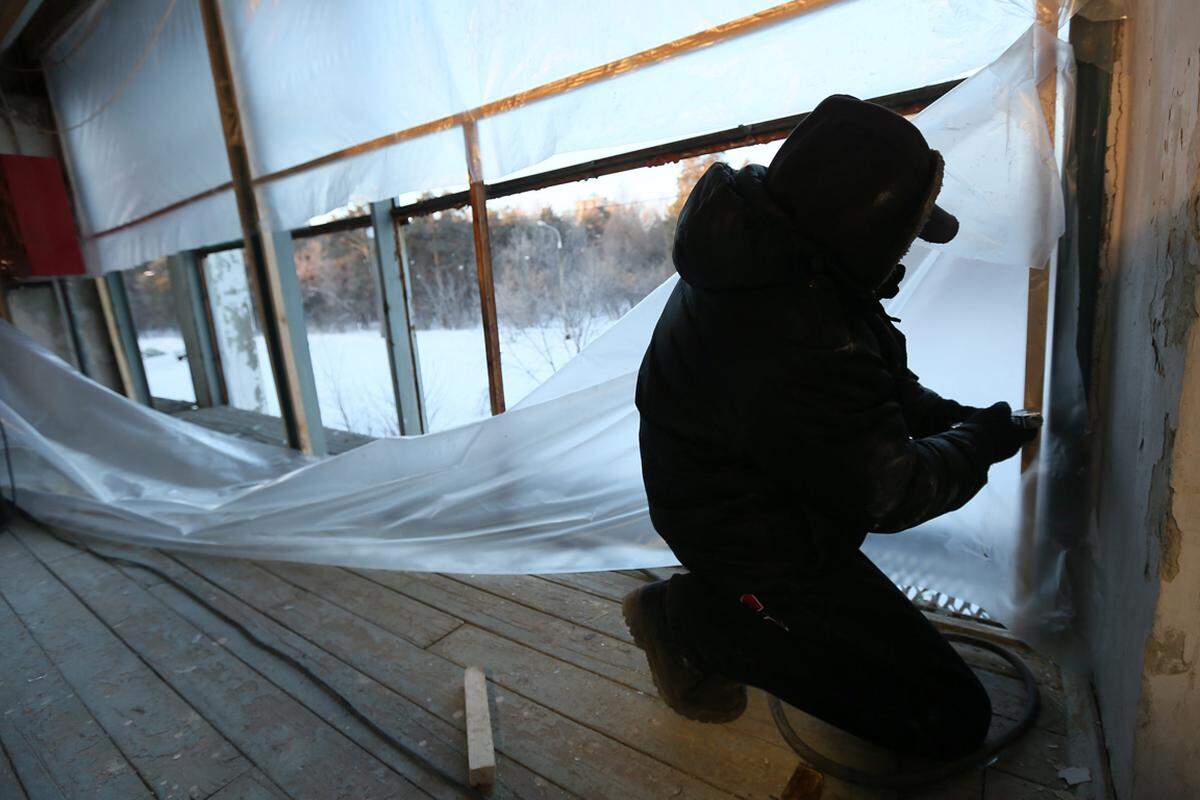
(554, 484)
(141, 134)
(316, 78)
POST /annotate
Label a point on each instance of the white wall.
(1141, 598)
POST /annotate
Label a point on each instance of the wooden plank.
(295, 748)
(481, 754)
(967, 786)
(611, 585)
(166, 741)
(10, 785)
(252, 785)
(613, 658)
(721, 756)
(46, 547)
(571, 755)
(56, 746)
(421, 624)
(1037, 756)
(483, 266)
(33, 771)
(565, 602)
(1008, 701)
(1002, 786)
(1044, 671)
(269, 259)
(438, 741)
(263, 428)
(1085, 735)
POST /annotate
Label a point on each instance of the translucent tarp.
(555, 484)
(318, 78)
(133, 96)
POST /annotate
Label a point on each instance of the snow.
(354, 384)
(166, 365)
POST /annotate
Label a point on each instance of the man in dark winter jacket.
(780, 425)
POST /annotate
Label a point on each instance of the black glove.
(1001, 439)
(952, 413)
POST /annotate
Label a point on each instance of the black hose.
(921, 777)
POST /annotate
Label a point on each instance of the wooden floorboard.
(52, 744)
(565, 602)
(286, 741)
(10, 784)
(417, 622)
(176, 752)
(739, 764)
(609, 585)
(434, 739)
(574, 709)
(563, 751)
(1002, 786)
(252, 425)
(251, 785)
(605, 655)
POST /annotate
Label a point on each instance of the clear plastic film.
(555, 484)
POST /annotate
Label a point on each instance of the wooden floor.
(119, 684)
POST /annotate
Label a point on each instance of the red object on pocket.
(37, 232)
(753, 602)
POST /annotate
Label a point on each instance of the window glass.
(245, 365)
(440, 257)
(570, 260)
(346, 338)
(164, 356)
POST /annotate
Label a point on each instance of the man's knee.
(964, 719)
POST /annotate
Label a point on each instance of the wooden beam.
(14, 16)
(1038, 298)
(708, 37)
(391, 269)
(115, 303)
(188, 291)
(646, 58)
(269, 260)
(1036, 328)
(67, 314)
(483, 268)
(481, 754)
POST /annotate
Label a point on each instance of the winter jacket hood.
(850, 189)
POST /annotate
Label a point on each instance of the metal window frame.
(272, 272)
(269, 255)
(114, 300)
(392, 279)
(188, 290)
(391, 262)
(391, 265)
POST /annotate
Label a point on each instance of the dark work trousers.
(854, 653)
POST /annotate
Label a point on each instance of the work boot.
(681, 682)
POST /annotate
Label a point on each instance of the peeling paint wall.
(1140, 593)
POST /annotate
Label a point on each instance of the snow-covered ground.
(354, 385)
